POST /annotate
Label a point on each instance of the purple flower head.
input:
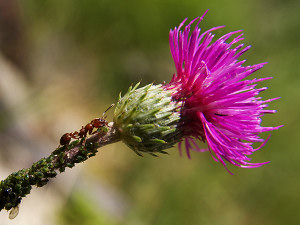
(220, 107)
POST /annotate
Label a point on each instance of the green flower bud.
(147, 119)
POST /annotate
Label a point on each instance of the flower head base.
(220, 107)
(147, 119)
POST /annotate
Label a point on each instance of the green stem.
(18, 184)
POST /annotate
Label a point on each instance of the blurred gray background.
(62, 63)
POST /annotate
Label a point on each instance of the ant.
(87, 129)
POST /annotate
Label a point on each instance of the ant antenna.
(112, 105)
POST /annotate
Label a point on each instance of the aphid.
(15, 210)
(219, 114)
(7, 192)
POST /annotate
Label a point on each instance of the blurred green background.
(72, 58)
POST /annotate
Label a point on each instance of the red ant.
(87, 129)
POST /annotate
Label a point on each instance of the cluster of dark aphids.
(18, 184)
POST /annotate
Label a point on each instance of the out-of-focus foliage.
(118, 43)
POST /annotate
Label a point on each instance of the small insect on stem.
(15, 210)
(87, 129)
(219, 114)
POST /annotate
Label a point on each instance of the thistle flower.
(208, 100)
(208, 97)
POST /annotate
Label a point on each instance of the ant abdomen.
(65, 139)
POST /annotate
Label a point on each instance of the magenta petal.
(220, 107)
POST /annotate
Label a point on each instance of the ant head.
(99, 122)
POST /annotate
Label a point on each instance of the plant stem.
(18, 184)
